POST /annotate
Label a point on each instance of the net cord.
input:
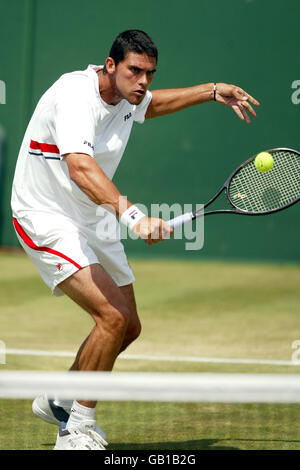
(174, 387)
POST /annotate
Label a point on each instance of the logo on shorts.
(59, 267)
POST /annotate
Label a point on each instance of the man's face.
(133, 76)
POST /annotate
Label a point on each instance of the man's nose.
(143, 80)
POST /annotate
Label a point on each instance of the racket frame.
(225, 188)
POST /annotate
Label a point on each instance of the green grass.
(161, 426)
(204, 309)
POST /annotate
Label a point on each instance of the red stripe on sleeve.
(34, 145)
(49, 148)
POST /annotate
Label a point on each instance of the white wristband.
(132, 216)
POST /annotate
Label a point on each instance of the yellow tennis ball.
(264, 161)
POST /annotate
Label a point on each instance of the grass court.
(199, 309)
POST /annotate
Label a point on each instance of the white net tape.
(178, 387)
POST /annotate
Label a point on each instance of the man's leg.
(56, 410)
(133, 328)
(134, 324)
(94, 290)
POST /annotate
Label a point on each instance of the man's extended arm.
(172, 100)
(92, 180)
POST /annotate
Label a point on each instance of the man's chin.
(135, 99)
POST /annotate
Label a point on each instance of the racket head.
(252, 192)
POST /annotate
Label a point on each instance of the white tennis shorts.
(59, 247)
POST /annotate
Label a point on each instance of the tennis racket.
(251, 192)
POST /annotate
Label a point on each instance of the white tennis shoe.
(83, 437)
(45, 409)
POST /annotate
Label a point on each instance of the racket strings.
(253, 191)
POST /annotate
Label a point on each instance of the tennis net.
(144, 411)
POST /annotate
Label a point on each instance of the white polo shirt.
(70, 117)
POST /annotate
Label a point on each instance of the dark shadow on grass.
(201, 444)
(263, 440)
(48, 445)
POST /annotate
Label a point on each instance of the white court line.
(33, 352)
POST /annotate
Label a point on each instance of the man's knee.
(113, 319)
(135, 330)
(132, 333)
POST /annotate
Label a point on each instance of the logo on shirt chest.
(127, 116)
(89, 144)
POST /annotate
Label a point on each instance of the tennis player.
(69, 155)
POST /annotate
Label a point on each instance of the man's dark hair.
(132, 40)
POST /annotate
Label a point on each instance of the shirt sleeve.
(141, 109)
(75, 122)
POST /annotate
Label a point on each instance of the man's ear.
(110, 65)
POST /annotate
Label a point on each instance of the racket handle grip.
(181, 219)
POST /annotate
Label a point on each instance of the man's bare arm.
(173, 100)
(92, 180)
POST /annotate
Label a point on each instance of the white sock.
(78, 414)
(66, 404)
